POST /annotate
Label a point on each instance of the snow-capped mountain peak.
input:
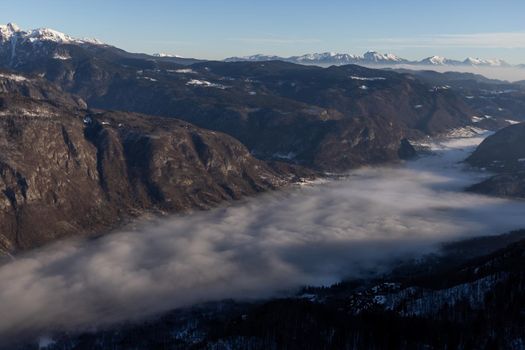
(436, 60)
(374, 56)
(12, 31)
(327, 57)
(475, 61)
(13, 26)
(8, 30)
(47, 34)
(439, 61)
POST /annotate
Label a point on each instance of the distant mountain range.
(374, 58)
(12, 36)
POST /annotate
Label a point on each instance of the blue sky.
(216, 29)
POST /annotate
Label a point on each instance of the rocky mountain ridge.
(66, 170)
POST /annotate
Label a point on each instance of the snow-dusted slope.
(376, 57)
(439, 61)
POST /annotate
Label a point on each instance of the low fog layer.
(511, 74)
(311, 235)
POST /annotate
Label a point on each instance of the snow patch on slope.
(204, 83)
(353, 77)
(14, 77)
(61, 56)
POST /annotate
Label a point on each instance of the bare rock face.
(172, 164)
(48, 174)
(66, 171)
(36, 88)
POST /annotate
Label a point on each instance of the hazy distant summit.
(11, 36)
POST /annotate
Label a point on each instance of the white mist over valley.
(316, 234)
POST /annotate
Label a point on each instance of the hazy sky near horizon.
(216, 29)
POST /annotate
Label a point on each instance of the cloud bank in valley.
(312, 235)
(511, 74)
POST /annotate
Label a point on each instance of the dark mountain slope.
(279, 110)
(496, 100)
(504, 154)
(36, 88)
(503, 151)
(65, 170)
(293, 112)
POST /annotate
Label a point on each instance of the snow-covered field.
(313, 234)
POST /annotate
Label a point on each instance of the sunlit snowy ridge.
(11, 32)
